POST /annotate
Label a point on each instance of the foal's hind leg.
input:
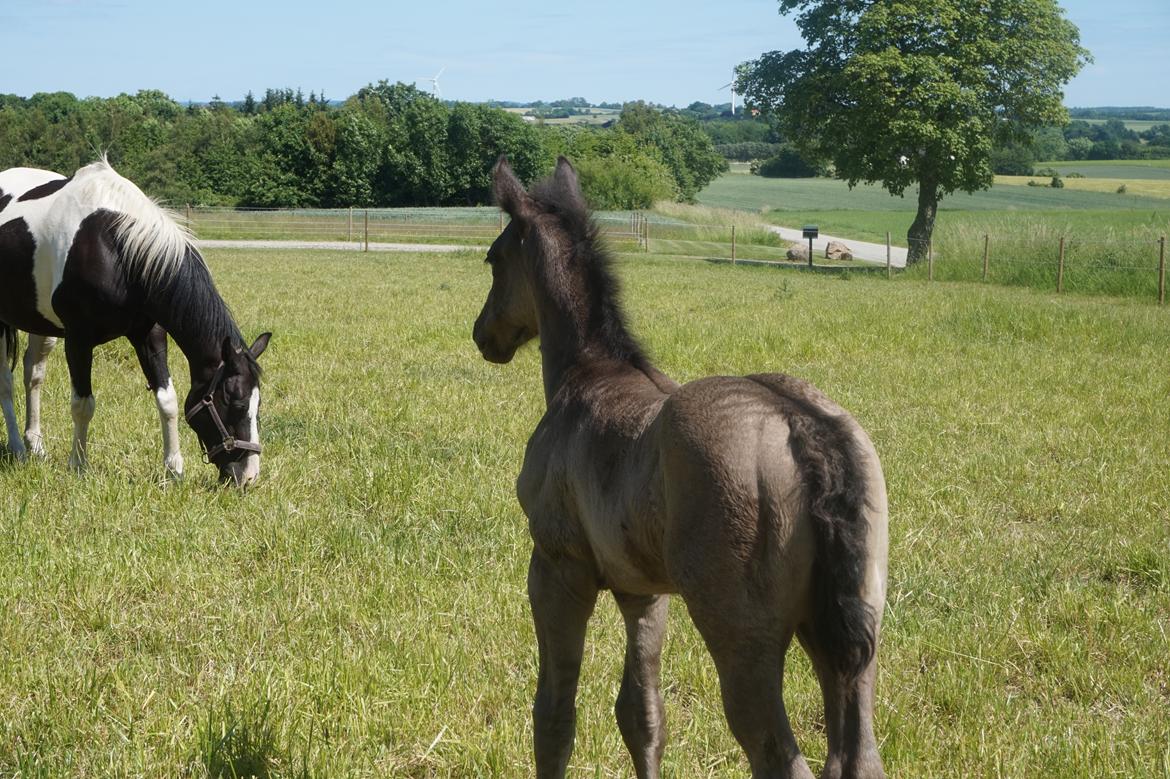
(15, 447)
(639, 709)
(151, 347)
(853, 752)
(749, 656)
(36, 359)
(562, 593)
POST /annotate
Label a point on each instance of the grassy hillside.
(362, 611)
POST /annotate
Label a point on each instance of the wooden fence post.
(986, 255)
(1162, 271)
(930, 260)
(889, 262)
(349, 232)
(367, 229)
(190, 224)
(1060, 268)
(733, 244)
(501, 215)
(646, 234)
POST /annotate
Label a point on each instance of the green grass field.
(755, 193)
(362, 611)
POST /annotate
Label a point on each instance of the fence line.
(1123, 266)
(1115, 266)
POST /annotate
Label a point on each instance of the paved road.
(340, 245)
(862, 250)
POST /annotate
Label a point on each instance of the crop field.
(1126, 170)
(1140, 186)
(361, 612)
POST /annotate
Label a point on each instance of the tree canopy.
(906, 92)
(387, 145)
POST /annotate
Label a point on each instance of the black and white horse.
(90, 258)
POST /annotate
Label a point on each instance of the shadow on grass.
(243, 744)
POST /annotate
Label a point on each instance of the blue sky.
(605, 50)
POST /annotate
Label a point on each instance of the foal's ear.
(566, 177)
(509, 192)
(259, 345)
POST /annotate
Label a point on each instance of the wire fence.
(471, 226)
(1130, 266)
(1119, 264)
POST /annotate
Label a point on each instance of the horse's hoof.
(36, 447)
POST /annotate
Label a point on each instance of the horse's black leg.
(639, 709)
(36, 360)
(853, 749)
(562, 594)
(150, 344)
(15, 447)
(79, 355)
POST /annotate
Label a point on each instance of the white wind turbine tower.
(435, 93)
(732, 85)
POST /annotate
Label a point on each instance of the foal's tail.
(9, 334)
(831, 462)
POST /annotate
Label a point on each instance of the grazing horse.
(91, 258)
(756, 498)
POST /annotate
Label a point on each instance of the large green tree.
(906, 92)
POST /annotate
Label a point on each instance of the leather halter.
(229, 442)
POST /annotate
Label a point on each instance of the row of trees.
(387, 145)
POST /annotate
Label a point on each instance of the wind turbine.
(435, 93)
(732, 85)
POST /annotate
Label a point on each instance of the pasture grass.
(361, 612)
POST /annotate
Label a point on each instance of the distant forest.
(395, 145)
(387, 145)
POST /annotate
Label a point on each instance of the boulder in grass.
(838, 251)
(798, 252)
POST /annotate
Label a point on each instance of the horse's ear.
(565, 177)
(509, 192)
(259, 345)
(227, 349)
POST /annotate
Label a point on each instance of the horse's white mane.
(153, 241)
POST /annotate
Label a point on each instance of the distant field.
(1137, 125)
(754, 193)
(1117, 169)
(1146, 187)
(592, 116)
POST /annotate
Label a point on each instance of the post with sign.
(810, 232)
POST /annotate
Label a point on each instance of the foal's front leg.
(562, 593)
(36, 360)
(640, 713)
(151, 348)
(79, 355)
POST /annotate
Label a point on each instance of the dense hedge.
(387, 145)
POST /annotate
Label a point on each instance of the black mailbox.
(811, 231)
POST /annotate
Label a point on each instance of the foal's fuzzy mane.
(154, 244)
(588, 251)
